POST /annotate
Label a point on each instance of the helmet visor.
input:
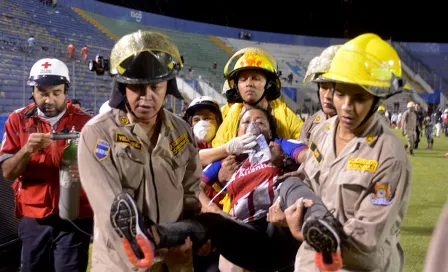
(145, 57)
(47, 80)
(147, 67)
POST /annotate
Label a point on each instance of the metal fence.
(435, 81)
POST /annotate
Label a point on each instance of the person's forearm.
(15, 166)
(205, 201)
(210, 155)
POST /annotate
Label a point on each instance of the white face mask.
(204, 130)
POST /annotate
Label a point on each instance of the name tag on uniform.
(120, 138)
(178, 144)
(361, 164)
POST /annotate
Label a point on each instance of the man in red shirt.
(31, 159)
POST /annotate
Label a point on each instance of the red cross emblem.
(46, 64)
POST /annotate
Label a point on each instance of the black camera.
(100, 65)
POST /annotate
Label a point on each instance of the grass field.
(429, 192)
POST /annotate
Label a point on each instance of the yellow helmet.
(253, 58)
(369, 62)
(320, 65)
(381, 108)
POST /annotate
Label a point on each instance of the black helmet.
(146, 57)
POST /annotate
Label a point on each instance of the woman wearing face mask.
(249, 240)
(204, 115)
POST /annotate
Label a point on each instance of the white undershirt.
(52, 120)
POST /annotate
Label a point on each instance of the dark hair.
(271, 120)
(76, 101)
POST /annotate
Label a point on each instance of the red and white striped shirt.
(251, 190)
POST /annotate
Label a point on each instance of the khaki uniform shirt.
(408, 122)
(384, 118)
(115, 155)
(310, 123)
(368, 186)
(437, 256)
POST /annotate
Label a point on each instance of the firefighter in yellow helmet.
(316, 68)
(228, 105)
(357, 166)
(140, 148)
(253, 81)
(382, 114)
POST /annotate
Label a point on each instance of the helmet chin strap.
(373, 110)
(258, 101)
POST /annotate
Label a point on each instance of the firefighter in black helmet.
(140, 148)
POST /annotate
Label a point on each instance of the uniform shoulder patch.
(361, 164)
(121, 138)
(179, 143)
(316, 153)
(381, 195)
(102, 150)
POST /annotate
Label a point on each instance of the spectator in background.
(70, 50)
(394, 120)
(31, 42)
(290, 78)
(84, 52)
(408, 125)
(420, 117)
(396, 106)
(438, 120)
(429, 129)
(76, 103)
(445, 122)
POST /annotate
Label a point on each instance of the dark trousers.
(209, 263)
(255, 246)
(53, 244)
(417, 140)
